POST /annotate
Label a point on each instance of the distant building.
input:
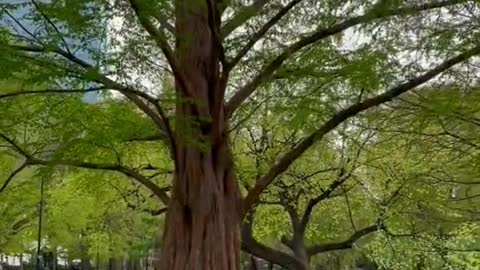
(22, 24)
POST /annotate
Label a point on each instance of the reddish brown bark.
(202, 222)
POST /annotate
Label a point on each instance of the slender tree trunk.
(55, 259)
(301, 254)
(85, 263)
(297, 246)
(252, 264)
(110, 264)
(202, 222)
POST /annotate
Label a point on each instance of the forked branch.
(242, 16)
(287, 159)
(258, 35)
(374, 14)
(143, 15)
(342, 177)
(158, 36)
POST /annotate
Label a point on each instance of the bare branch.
(165, 24)
(242, 16)
(136, 207)
(258, 35)
(287, 159)
(370, 16)
(15, 146)
(28, 32)
(50, 22)
(342, 177)
(313, 250)
(148, 138)
(315, 173)
(50, 91)
(349, 210)
(12, 175)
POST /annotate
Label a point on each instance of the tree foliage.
(352, 126)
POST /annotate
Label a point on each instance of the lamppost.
(40, 217)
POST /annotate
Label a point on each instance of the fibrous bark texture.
(202, 222)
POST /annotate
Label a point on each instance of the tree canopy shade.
(189, 85)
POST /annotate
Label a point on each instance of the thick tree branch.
(87, 67)
(146, 103)
(158, 212)
(50, 91)
(158, 36)
(214, 22)
(30, 160)
(316, 249)
(242, 16)
(288, 204)
(287, 159)
(372, 15)
(252, 246)
(159, 192)
(258, 35)
(143, 15)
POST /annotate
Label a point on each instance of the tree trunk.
(301, 255)
(20, 258)
(252, 264)
(85, 263)
(297, 245)
(55, 258)
(202, 222)
(112, 264)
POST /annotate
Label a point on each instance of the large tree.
(326, 61)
